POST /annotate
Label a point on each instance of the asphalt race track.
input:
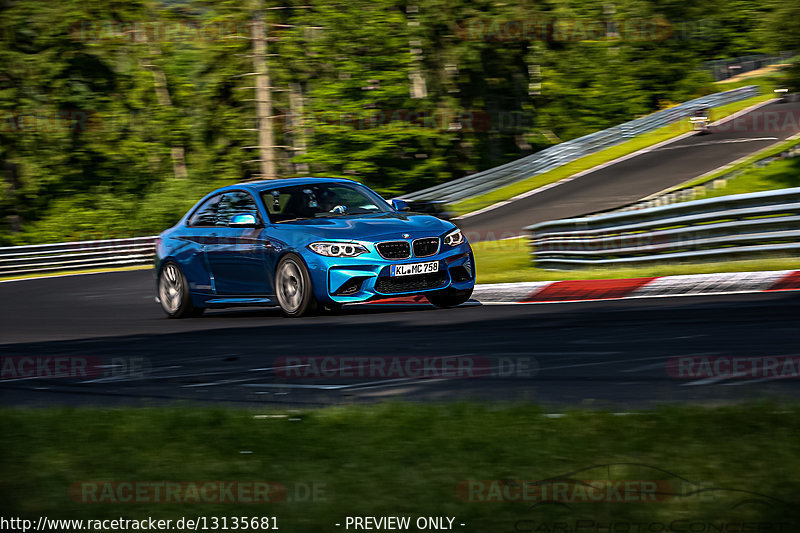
(613, 354)
(610, 354)
(643, 175)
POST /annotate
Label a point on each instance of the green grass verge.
(72, 272)
(779, 174)
(410, 460)
(509, 261)
(766, 83)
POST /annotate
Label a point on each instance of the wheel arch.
(318, 276)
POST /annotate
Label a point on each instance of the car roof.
(259, 186)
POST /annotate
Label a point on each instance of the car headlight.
(454, 238)
(337, 249)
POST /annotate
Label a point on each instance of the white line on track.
(644, 367)
(599, 363)
(721, 141)
(151, 377)
(567, 354)
(383, 382)
(760, 380)
(661, 365)
(706, 381)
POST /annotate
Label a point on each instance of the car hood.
(383, 226)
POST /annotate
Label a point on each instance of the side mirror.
(400, 205)
(243, 220)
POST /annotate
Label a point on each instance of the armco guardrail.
(562, 153)
(722, 69)
(81, 255)
(742, 225)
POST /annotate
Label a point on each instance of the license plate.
(415, 268)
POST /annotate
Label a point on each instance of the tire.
(449, 297)
(293, 287)
(173, 293)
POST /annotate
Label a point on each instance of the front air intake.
(421, 282)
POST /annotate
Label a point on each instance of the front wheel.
(449, 297)
(173, 293)
(293, 287)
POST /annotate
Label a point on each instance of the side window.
(234, 203)
(206, 214)
(291, 203)
(276, 201)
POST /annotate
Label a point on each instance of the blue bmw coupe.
(304, 244)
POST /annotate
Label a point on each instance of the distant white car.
(700, 121)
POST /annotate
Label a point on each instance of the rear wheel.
(293, 287)
(173, 293)
(449, 297)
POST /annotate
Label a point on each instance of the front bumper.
(350, 280)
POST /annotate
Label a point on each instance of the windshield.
(300, 202)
